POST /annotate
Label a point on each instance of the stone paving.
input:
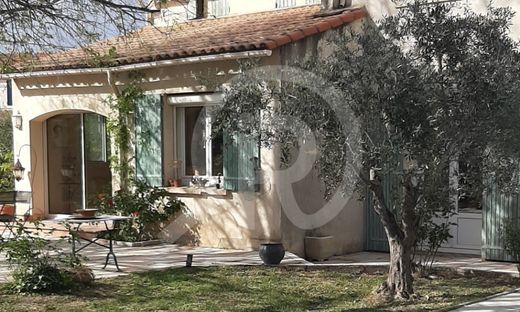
(507, 302)
(458, 262)
(163, 256)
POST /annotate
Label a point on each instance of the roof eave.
(139, 66)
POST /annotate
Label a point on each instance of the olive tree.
(428, 86)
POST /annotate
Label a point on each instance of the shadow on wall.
(183, 229)
(230, 222)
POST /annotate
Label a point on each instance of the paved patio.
(160, 257)
(457, 262)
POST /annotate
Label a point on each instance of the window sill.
(186, 190)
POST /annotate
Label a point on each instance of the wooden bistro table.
(75, 224)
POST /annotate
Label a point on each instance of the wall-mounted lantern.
(18, 121)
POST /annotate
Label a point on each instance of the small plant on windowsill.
(148, 206)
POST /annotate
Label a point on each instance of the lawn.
(250, 289)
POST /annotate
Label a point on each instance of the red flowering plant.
(148, 206)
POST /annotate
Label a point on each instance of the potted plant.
(176, 181)
(149, 208)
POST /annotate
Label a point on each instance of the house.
(63, 100)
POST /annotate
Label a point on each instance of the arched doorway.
(77, 161)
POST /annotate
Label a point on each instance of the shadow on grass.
(266, 289)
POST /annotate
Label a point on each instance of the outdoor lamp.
(18, 121)
(18, 170)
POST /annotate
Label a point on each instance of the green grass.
(250, 289)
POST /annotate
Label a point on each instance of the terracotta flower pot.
(7, 210)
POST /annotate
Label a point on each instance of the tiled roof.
(256, 31)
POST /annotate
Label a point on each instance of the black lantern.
(18, 170)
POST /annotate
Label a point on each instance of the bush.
(6, 152)
(149, 206)
(511, 233)
(36, 265)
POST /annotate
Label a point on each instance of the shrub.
(149, 206)
(511, 232)
(36, 265)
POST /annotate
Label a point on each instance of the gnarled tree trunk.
(401, 238)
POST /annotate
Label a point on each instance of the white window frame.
(179, 104)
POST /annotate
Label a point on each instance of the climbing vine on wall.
(120, 126)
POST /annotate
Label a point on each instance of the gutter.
(138, 66)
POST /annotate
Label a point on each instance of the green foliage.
(97, 59)
(511, 232)
(6, 152)
(37, 266)
(149, 206)
(430, 84)
(120, 127)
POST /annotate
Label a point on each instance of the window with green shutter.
(241, 163)
(148, 139)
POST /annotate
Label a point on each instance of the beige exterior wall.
(228, 220)
(38, 99)
(3, 95)
(347, 213)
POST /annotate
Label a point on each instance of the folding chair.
(8, 210)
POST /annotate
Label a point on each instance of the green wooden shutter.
(376, 239)
(148, 135)
(496, 208)
(241, 162)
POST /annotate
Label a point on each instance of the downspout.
(111, 83)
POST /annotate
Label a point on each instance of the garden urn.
(271, 253)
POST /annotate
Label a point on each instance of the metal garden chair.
(8, 205)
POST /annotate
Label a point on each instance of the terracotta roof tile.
(264, 30)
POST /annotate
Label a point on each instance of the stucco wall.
(346, 214)
(232, 220)
(3, 95)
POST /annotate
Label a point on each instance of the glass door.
(64, 154)
(77, 164)
(98, 178)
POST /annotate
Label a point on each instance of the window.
(201, 154)
(285, 3)
(216, 8)
(95, 137)
(469, 191)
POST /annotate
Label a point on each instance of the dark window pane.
(195, 140)
(217, 154)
